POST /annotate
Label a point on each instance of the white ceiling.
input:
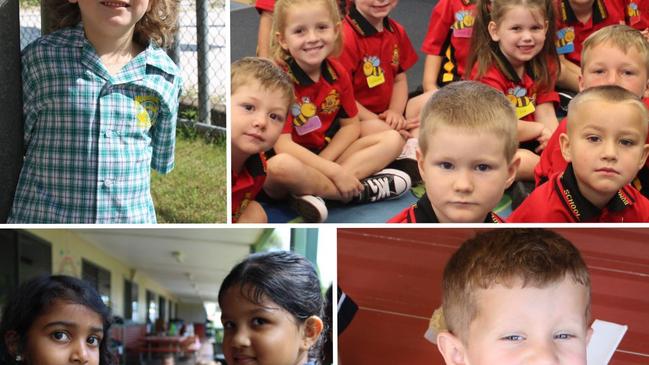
(207, 255)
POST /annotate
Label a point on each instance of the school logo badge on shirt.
(331, 102)
(565, 40)
(373, 71)
(524, 104)
(305, 118)
(146, 110)
(463, 26)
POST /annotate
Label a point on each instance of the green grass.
(195, 191)
(29, 3)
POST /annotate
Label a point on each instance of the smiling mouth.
(115, 4)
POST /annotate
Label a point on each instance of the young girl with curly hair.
(100, 104)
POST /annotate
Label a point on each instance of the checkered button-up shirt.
(91, 138)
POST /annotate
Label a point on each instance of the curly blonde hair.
(158, 25)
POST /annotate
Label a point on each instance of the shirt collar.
(568, 15)
(506, 67)
(153, 55)
(301, 78)
(362, 26)
(424, 213)
(580, 208)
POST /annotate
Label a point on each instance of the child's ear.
(564, 142)
(492, 28)
(512, 169)
(451, 348)
(645, 152)
(313, 327)
(589, 334)
(646, 90)
(580, 80)
(420, 162)
(281, 41)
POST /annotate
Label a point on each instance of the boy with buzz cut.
(614, 55)
(605, 147)
(515, 296)
(466, 155)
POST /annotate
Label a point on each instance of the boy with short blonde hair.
(607, 53)
(505, 287)
(605, 147)
(466, 155)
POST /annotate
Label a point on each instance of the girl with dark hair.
(272, 309)
(55, 320)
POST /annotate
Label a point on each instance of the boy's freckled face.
(66, 334)
(465, 174)
(375, 10)
(606, 64)
(529, 325)
(113, 14)
(258, 116)
(605, 155)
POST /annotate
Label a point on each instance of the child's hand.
(543, 139)
(411, 124)
(348, 185)
(394, 119)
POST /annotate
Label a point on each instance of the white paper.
(605, 339)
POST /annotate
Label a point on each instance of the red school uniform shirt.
(571, 33)
(560, 201)
(552, 161)
(247, 183)
(375, 58)
(637, 14)
(522, 92)
(314, 116)
(422, 212)
(449, 36)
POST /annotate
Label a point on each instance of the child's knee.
(283, 168)
(392, 139)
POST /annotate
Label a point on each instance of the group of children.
(509, 296)
(350, 116)
(273, 312)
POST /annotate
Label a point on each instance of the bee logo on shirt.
(524, 104)
(331, 102)
(372, 66)
(146, 110)
(373, 71)
(302, 112)
(463, 25)
(463, 19)
(565, 40)
(632, 10)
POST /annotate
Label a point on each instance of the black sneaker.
(385, 184)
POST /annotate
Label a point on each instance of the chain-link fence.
(203, 96)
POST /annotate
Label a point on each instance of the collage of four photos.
(159, 212)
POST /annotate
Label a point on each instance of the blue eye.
(483, 167)
(445, 165)
(563, 336)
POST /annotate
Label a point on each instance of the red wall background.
(394, 275)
